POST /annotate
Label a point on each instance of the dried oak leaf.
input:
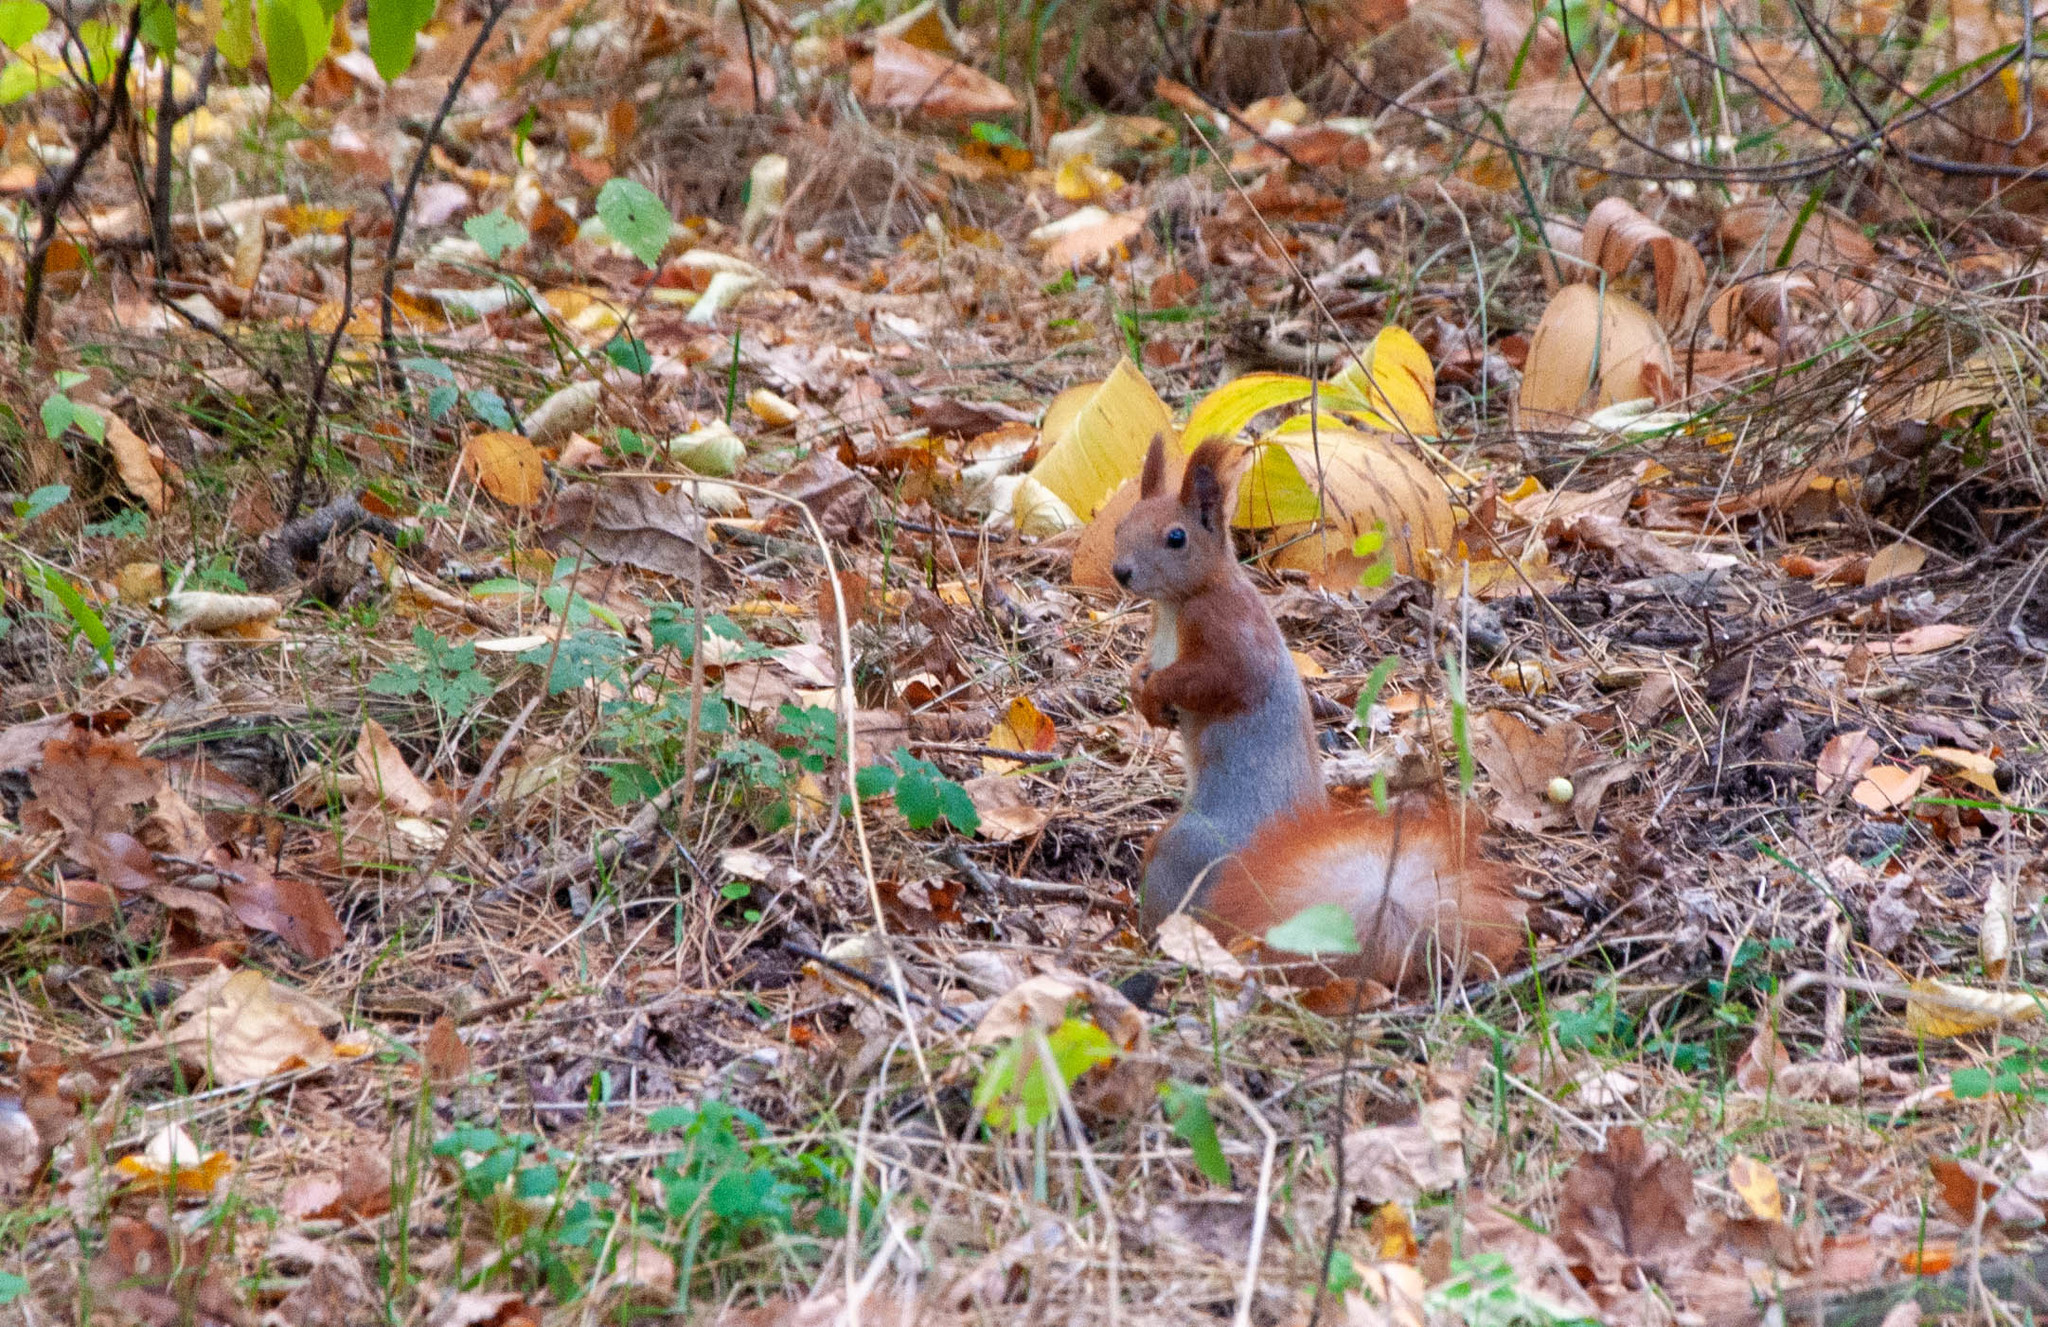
(443, 1055)
(89, 786)
(837, 496)
(1627, 1206)
(1522, 764)
(638, 524)
(137, 1275)
(293, 910)
(241, 1026)
(1401, 1162)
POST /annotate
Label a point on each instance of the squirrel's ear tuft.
(1153, 481)
(1209, 488)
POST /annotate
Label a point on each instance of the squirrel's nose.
(1122, 572)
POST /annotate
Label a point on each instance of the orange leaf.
(506, 466)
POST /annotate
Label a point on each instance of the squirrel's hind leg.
(1176, 863)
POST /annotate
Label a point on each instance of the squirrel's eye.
(1176, 538)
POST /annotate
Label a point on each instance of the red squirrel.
(1257, 838)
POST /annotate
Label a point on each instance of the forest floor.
(565, 744)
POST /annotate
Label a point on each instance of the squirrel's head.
(1172, 544)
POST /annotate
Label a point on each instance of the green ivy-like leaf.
(1323, 928)
(635, 218)
(494, 232)
(43, 501)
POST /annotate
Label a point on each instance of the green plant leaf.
(1970, 1084)
(12, 1287)
(236, 40)
(1375, 682)
(635, 218)
(294, 41)
(21, 21)
(58, 413)
(494, 232)
(1013, 1089)
(43, 501)
(82, 614)
(159, 29)
(1187, 1110)
(395, 27)
(874, 780)
(1323, 928)
(629, 353)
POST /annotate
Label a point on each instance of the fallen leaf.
(1401, 1162)
(443, 1055)
(1762, 1061)
(386, 776)
(902, 76)
(1093, 442)
(1188, 942)
(1615, 232)
(1972, 767)
(137, 1275)
(1118, 1089)
(142, 467)
(1590, 350)
(506, 466)
(1023, 727)
(171, 1160)
(294, 910)
(1888, 788)
(1945, 1009)
(1844, 759)
(1757, 1186)
(1627, 1206)
(1006, 814)
(635, 524)
(1521, 762)
(1085, 246)
(1920, 640)
(1894, 561)
(241, 1026)
(213, 614)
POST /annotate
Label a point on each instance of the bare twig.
(322, 367)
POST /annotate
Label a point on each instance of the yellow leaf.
(1102, 440)
(1023, 727)
(1368, 481)
(506, 466)
(1236, 403)
(141, 467)
(1395, 379)
(1590, 350)
(1887, 788)
(1944, 1009)
(1080, 180)
(1971, 767)
(1754, 1183)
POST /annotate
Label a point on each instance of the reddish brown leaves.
(138, 1275)
(292, 910)
(1626, 1208)
(444, 1056)
(89, 786)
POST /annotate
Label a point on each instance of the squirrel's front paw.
(1155, 711)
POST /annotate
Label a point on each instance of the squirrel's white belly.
(1165, 634)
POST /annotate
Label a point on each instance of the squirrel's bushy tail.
(1419, 894)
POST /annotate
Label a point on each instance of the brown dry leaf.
(636, 524)
(641, 1274)
(1888, 788)
(1920, 640)
(1945, 1009)
(1963, 1186)
(1521, 763)
(1084, 246)
(386, 776)
(1762, 1062)
(1585, 333)
(840, 499)
(1006, 814)
(901, 76)
(174, 827)
(443, 1055)
(1401, 1162)
(295, 911)
(247, 616)
(1188, 942)
(361, 1189)
(73, 903)
(1616, 232)
(21, 744)
(1971, 767)
(1844, 759)
(1541, 1270)
(143, 468)
(1894, 561)
(23, 1154)
(1118, 1089)
(1627, 1206)
(315, 1197)
(506, 466)
(89, 785)
(1637, 549)
(241, 1026)
(137, 1275)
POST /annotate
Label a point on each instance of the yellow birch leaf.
(1944, 1009)
(1754, 1183)
(506, 466)
(1102, 440)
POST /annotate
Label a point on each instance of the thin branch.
(321, 369)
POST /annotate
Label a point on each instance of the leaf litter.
(620, 791)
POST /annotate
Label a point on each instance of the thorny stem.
(402, 209)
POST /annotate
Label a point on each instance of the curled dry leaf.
(1118, 1089)
(1888, 788)
(295, 911)
(1994, 933)
(901, 76)
(241, 1026)
(567, 410)
(388, 778)
(142, 465)
(1616, 232)
(1762, 1061)
(1945, 1009)
(1006, 814)
(1590, 350)
(213, 614)
(506, 466)
(443, 1055)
